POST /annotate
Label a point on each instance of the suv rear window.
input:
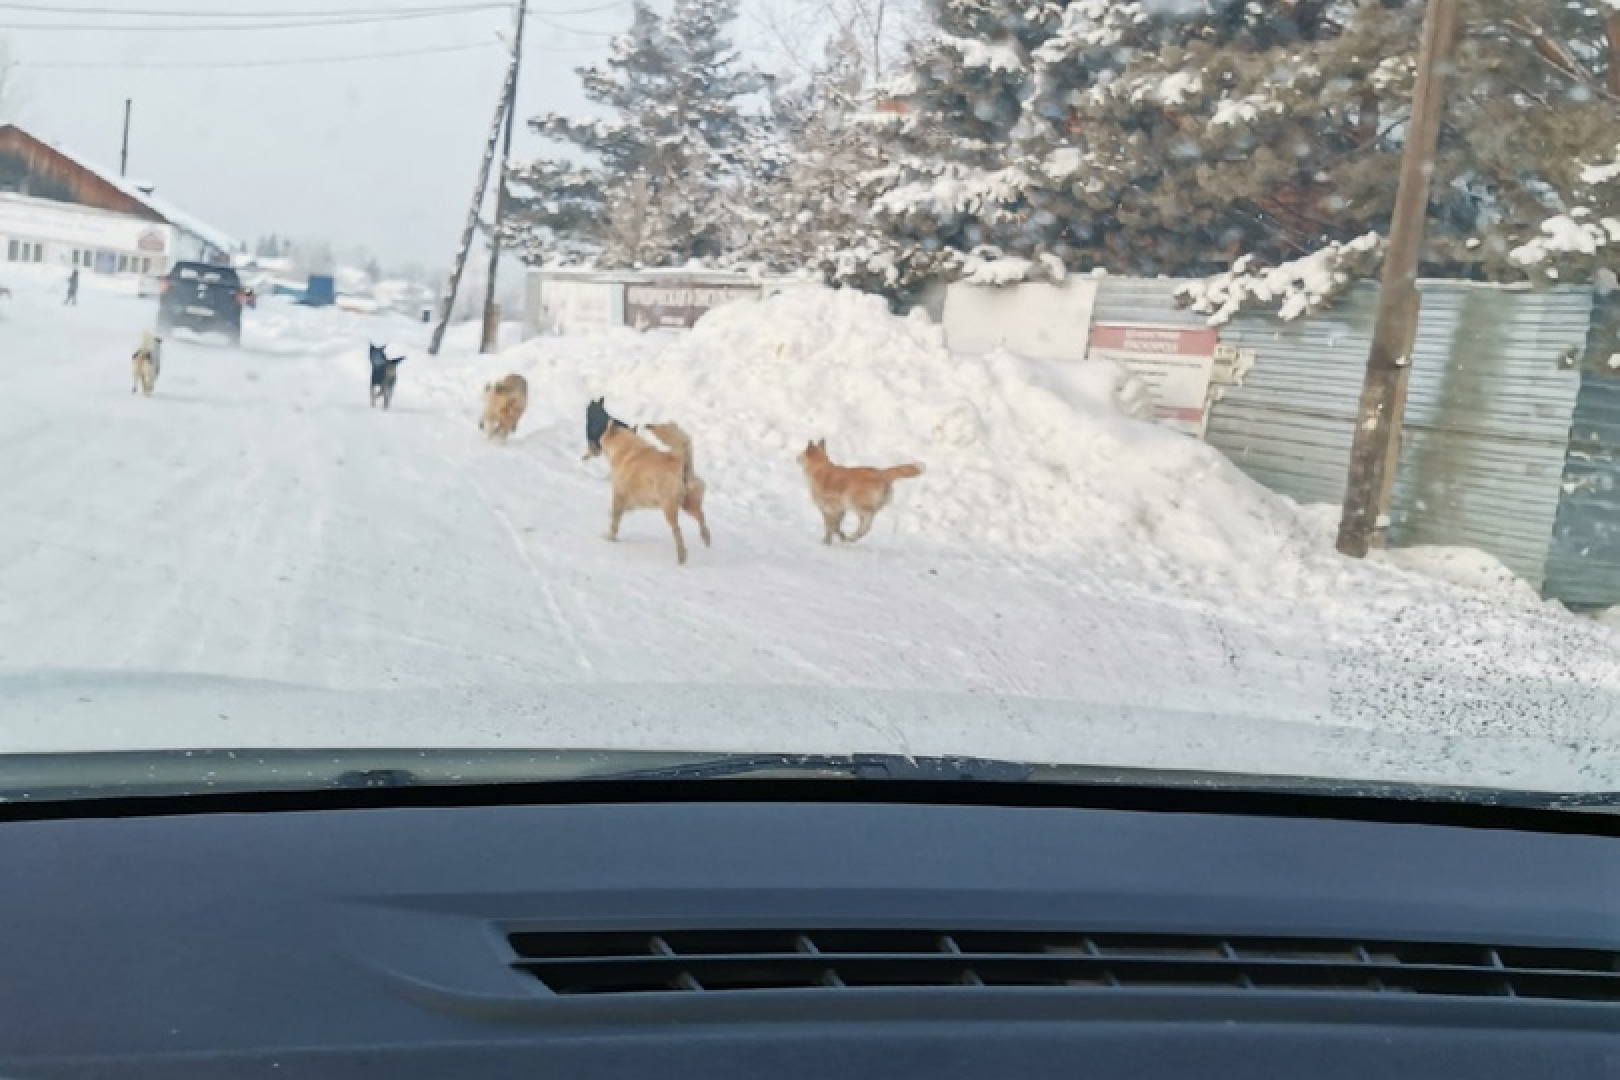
(208, 275)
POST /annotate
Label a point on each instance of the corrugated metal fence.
(1583, 567)
(1488, 411)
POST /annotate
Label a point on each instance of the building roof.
(173, 215)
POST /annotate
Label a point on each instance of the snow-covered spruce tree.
(656, 181)
(1532, 111)
(1537, 117)
(806, 213)
(1131, 136)
(953, 146)
(1143, 139)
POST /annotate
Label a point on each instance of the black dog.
(384, 372)
(597, 422)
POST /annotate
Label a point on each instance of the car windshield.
(1217, 392)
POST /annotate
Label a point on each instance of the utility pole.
(1375, 452)
(123, 157)
(492, 315)
(494, 140)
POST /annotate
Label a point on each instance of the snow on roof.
(181, 220)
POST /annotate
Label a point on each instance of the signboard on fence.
(677, 305)
(1175, 362)
(1041, 321)
(578, 307)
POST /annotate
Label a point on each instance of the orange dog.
(838, 490)
(645, 477)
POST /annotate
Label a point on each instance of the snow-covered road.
(254, 556)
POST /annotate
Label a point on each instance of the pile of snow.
(1468, 569)
(1020, 454)
(278, 326)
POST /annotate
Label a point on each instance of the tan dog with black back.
(646, 477)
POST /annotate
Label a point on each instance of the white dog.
(147, 363)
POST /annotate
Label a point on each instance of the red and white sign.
(1176, 364)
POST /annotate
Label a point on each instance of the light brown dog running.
(504, 404)
(146, 364)
(645, 477)
(838, 490)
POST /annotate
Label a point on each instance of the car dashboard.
(782, 929)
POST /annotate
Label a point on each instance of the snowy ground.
(254, 557)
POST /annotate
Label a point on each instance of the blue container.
(322, 291)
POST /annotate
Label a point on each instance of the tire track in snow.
(559, 620)
(634, 584)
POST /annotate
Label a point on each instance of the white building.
(64, 234)
(59, 210)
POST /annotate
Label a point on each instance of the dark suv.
(196, 296)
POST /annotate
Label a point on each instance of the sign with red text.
(1175, 362)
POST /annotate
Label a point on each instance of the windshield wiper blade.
(854, 766)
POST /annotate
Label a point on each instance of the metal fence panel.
(1128, 301)
(1288, 424)
(1487, 419)
(1583, 567)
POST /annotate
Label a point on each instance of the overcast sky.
(380, 152)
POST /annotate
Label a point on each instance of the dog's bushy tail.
(903, 472)
(679, 443)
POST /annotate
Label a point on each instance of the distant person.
(73, 288)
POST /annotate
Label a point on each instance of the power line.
(564, 28)
(581, 49)
(352, 20)
(310, 21)
(304, 13)
(592, 10)
(237, 64)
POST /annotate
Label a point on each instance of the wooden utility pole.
(448, 302)
(492, 314)
(1376, 450)
(123, 156)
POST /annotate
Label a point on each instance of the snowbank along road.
(221, 563)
